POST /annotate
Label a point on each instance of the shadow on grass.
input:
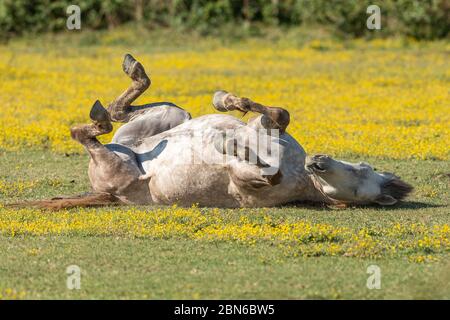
(413, 205)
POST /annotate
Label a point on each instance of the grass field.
(384, 102)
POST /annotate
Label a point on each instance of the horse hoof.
(128, 63)
(219, 100)
(135, 70)
(99, 113)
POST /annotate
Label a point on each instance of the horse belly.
(202, 184)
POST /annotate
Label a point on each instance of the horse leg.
(272, 118)
(257, 148)
(120, 110)
(146, 120)
(108, 172)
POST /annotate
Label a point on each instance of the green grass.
(161, 269)
(127, 267)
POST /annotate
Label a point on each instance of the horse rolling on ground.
(163, 156)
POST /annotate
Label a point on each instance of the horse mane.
(396, 188)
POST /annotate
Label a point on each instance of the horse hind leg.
(86, 134)
(272, 117)
(120, 109)
(108, 172)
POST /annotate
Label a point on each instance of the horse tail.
(83, 200)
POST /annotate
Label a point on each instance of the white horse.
(163, 156)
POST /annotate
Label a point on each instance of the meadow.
(380, 101)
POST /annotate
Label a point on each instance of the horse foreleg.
(272, 117)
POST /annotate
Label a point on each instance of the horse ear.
(385, 200)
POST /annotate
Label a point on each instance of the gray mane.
(396, 188)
